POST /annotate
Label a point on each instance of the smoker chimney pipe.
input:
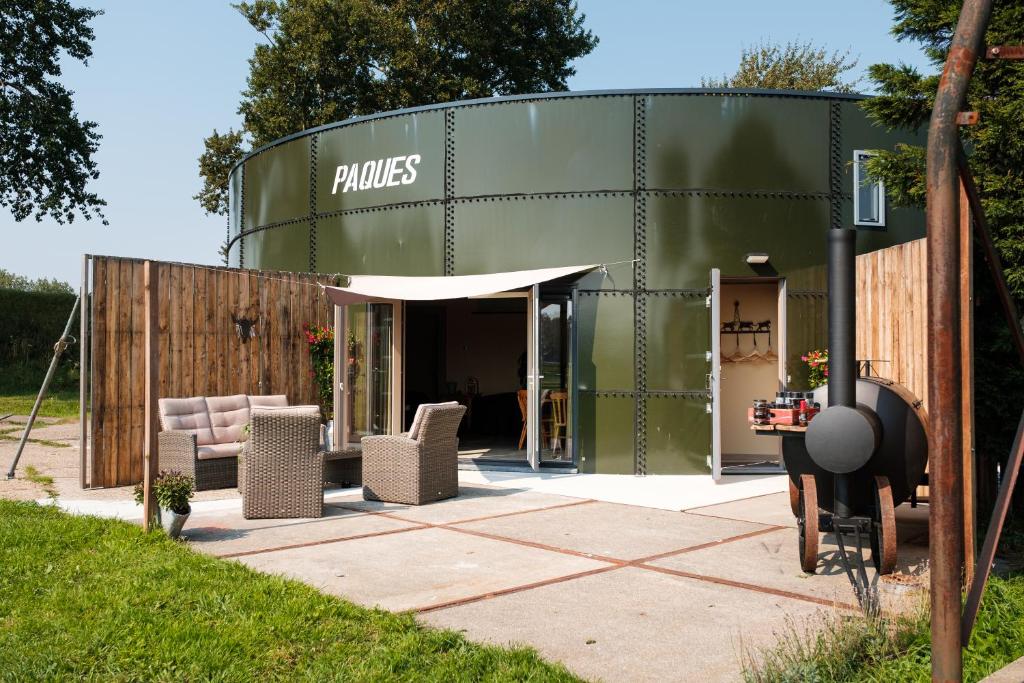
(842, 317)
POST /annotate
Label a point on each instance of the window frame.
(859, 155)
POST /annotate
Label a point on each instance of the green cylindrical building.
(631, 367)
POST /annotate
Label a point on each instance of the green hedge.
(30, 324)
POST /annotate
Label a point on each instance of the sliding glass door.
(369, 351)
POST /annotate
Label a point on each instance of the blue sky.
(163, 75)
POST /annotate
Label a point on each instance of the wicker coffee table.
(344, 467)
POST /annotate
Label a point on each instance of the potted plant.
(172, 491)
(817, 367)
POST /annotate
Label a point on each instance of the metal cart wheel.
(794, 498)
(883, 530)
(807, 523)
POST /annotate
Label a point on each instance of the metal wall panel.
(399, 241)
(678, 337)
(234, 255)
(235, 202)
(605, 434)
(678, 435)
(689, 235)
(399, 136)
(605, 342)
(585, 144)
(498, 235)
(277, 185)
(282, 248)
(737, 143)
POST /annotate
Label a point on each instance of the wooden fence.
(892, 314)
(201, 350)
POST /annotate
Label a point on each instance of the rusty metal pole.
(944, 368)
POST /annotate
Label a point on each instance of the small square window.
(868, 195)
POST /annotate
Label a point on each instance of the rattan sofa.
(282, 466)
(418, 467)
(201, 436)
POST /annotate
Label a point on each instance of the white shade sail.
(431, 288)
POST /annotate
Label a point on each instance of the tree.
(9, 280)
(794, 66)
(996, 158)
(46, 152)
(327, 60)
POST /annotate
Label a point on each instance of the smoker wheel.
(807, 523)
(883, 531)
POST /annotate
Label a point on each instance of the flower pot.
(172, 522)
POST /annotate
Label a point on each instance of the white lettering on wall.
(376, 173)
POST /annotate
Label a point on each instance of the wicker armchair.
(282, 469)
(417, 468)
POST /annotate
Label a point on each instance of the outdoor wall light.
(757, 257)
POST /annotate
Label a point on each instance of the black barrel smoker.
(862, 455)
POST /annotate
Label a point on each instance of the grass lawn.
(899, 649)
(82, 597)
(62, 403)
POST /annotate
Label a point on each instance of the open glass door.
(715, 372)
(555, 358)
(533, 378)
(368, 346)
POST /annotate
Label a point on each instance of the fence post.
(151, 274)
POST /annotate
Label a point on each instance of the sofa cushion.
(228, 414)
(414, 431)
(218, 450)
(272, 401)
(187, 415)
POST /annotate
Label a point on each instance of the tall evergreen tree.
(995, 149)
(327, 60)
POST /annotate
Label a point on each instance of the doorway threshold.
(487, 465)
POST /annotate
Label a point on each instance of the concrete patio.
(608, 574)
(616, 592)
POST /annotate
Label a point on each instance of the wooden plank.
(175, 331)
(123, 369)
(210, 324)
(254, 343)
(110, 391)
(83, 365)
(100, 376)
(200, 298)
(186, 304)
(223, 321)
(137, 373)
(164, 304)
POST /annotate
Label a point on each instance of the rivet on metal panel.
(449, 192)
(241, 220)
(835, 169)
(312, 203)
